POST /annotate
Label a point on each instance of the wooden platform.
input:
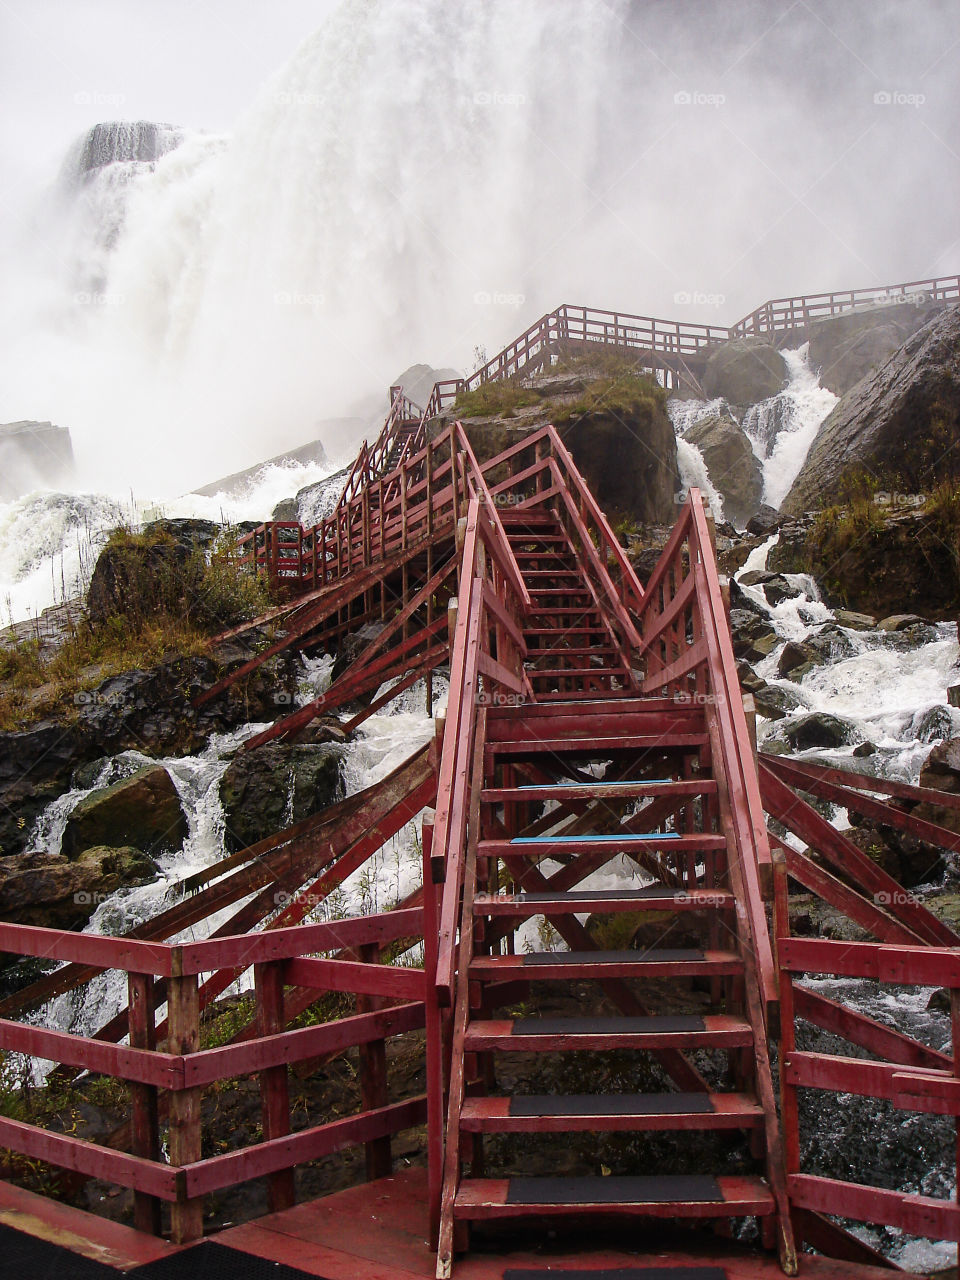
(378, 1231)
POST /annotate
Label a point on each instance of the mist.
(420, 179)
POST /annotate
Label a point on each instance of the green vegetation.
(495, 399)
(627, 393)
(156, 599)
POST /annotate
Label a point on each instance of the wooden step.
(565, 631)
(535, 655)
(599, 965)
(611, 1113)
(654, 898)
(604, 790)
(552, 611)
(656, 1196)
(601, 746)
(575, 673)
(547, 846)
(560, 1035)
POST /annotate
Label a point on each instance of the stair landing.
(378, 1231)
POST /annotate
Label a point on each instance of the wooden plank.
(265, 1158)
(185, 1135)
(372, 1070)
(354, 976)
(274, 1084)
(917, 1215)
(869, 1034)
(863, 911)
(147, 1177)
(916, 966)
(144, 1118)
(162, 1070)
(285, 944)
(244, 1057)
(85, 948)
(867, 1079)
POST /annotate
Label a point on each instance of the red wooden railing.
(908, 1074)
(172, 1076)
(796, 313)
(689, 655)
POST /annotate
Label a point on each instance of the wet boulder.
(819, 729)
(900, 424)
(744, 371)
(53, 891)
(753, 636)
(774, 585)
(774, 703)
(142, 810)
(764, 521)
(796, 659)
(35, 768)
(269, 788)
(853, 621)
(731, 463)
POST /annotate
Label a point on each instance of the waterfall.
(247, 286)
(783, 428)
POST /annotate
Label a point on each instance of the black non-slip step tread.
(612, 1104)
(635, 1189)
(620, 1273)
(608, 1025)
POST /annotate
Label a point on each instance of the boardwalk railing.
(169, 1078)
(796, 313)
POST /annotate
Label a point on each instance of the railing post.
(274, 1086)
(144, 1125)
(183, 1031)
(434, 1034)
(373, 1078)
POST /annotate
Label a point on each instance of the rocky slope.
(899, 426)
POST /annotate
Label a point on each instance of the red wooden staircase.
(650, 798)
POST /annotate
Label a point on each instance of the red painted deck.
(379, 1232)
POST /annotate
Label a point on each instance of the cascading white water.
(693, 473)
(263, 281)
(783, 428)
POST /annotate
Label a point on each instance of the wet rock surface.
(273, 786)
(57, 892)
(142, 810)
(900, 423)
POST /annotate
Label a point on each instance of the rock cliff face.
(846, 347)
(900, 424)
(33, 455)
(615, 425)
(744, 372)
(733, 466)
